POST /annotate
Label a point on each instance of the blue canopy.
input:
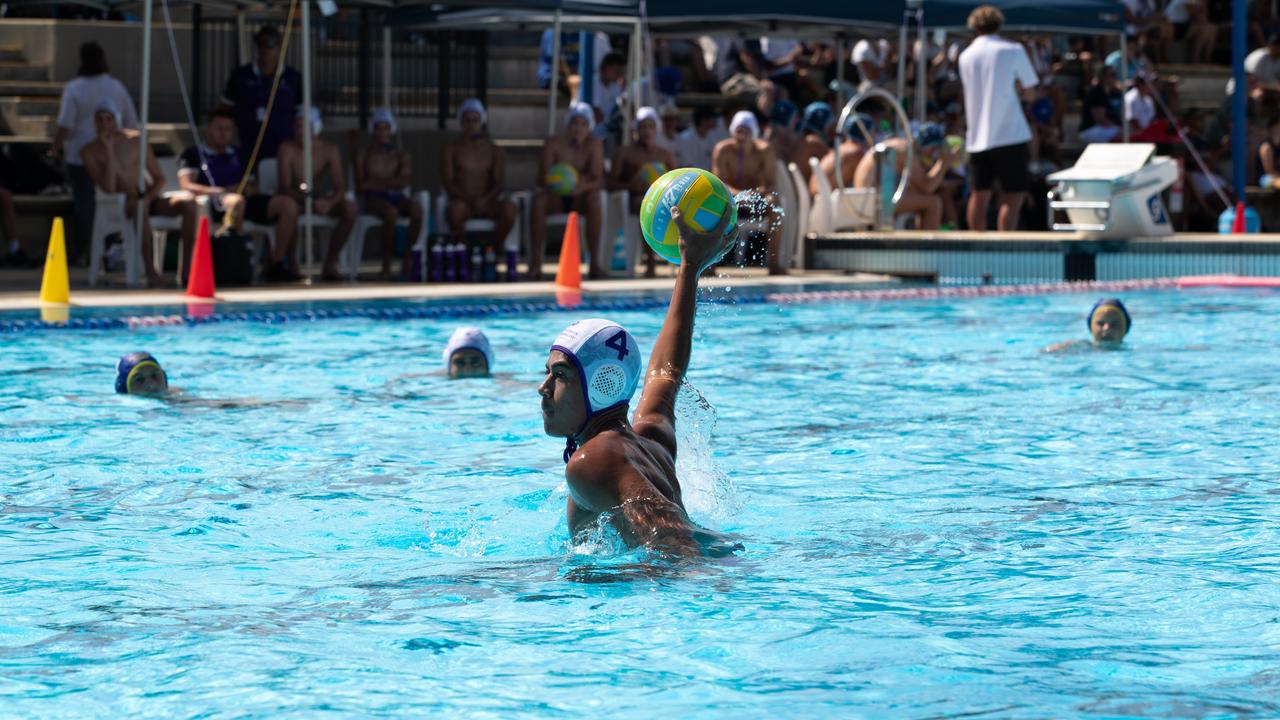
(1078, 16)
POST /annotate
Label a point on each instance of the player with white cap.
(637, 165)
(745, 162)
(468, 354)
(627, 468)
(383, 171)
(474, 169)
(578, 147)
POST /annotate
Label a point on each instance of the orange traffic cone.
(200, 281)
(569, 274)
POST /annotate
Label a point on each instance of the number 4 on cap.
(619, 343)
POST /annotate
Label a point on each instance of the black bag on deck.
(232, 259)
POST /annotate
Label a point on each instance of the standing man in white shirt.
(997, 76)
(76, 129)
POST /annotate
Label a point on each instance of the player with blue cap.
(626, 468)
(139, 373)
(468, 354)
(1108, 322)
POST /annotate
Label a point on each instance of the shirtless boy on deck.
(627, 469)
(576, 146)
(854, 144)
(814, 139)
(630, 160)
(933, 158)
(111, 160)
(382, 173)
(474, 170)
(326, 162)
(745, 162)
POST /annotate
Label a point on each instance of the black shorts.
(255, 209)
(1006, 165)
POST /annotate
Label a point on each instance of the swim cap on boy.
(316, 123)
(648, 113)
(783, 114)
(746, 119)
(817, 116)
(608, 363)
(108, 105)
(474, 105)
(469, 338)
(929, 134)
(384, 115)
(128, 367)
(580, 110)
(1109, 302)
(856, 127)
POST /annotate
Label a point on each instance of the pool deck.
(27, 298)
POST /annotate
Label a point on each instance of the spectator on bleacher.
(584, 152)
(76, 128)
(815, 136)
(473, 169)
(1190, 20)
(1103, 109)
(1136, 61)
(740, 68)
(326, 169)
(628, 164)
(1145, 18)
(1207, 186)
(855, 141)
(1269, 156)
(745, 162)
(784, 58)
(875, 60)
(1264, 65)
(216, 170)
(997, 77)
(112, 160)
(610, 84)
(781, 132)
(1045, 65)
(669, 133)
(248, 94)
(383, 171)
(695, 146)
(1140, 106)
(923, 195)
(570, 58)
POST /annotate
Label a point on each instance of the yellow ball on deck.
(703, 200)
(562, 179)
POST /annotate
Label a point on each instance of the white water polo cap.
(469, 338)
(608, 361)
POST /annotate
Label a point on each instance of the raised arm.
(656, 413)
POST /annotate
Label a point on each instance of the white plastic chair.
(788, 193)
(821, 217)
(481, 225)
(618, 219)
(800, 221)
(110, 216)
(854, 209)
(268, 182)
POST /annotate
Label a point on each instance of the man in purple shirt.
(249, 89)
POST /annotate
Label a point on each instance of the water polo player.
(627, 469)
(1108, 323)
(139, 373)
(468, 354)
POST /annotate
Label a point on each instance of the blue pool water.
(938, 520)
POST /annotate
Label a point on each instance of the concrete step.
(16, 70)
(33, 88)
(12, 53)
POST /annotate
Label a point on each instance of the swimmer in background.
(577, 147)
(1108, 322)
(383, 171)
(620, 469)
(815, 136)
(473, 169)
(854, 146)
(627, 165)
(139, 373)
(468, 354)
(745, 162)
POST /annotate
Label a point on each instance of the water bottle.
(477, 265)
(490, 265)
(619, 262)
(464, 268)
(437, 262)
(450, 262)
(513, 260)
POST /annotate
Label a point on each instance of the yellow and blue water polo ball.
(562, 178)
(702, 198)
(651, 171)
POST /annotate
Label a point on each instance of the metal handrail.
(849, 109)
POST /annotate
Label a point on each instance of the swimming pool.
(938, 519)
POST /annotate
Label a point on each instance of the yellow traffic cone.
(55, 289)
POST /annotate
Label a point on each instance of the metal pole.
(242, 47)
(1239, 120)
(481, 66)
(1124, 73)
(386, 65)
(633, 82)
(197, 89)
(306, 135)
(839, 103)
(555, 75)
(444, 78)
(902, 54)
(586, 67)
(131, 261)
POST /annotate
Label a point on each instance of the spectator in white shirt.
(1139, 106)
(695, 144)
(80, 97)
(874, 60)
(1264, 65)
(1144, 17)
(997, 77)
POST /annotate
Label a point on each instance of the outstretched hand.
(701, 249)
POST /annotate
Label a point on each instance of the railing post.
(363, 68)
(443, 79)
(482, 67)
(197, 87)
